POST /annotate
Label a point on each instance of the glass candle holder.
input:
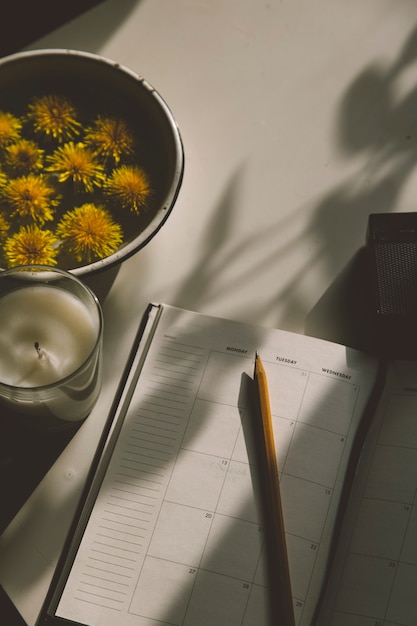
(50, 344)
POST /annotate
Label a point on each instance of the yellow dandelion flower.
(54, 116)
(76, 163)
(110, 137)
(10, 127)
(130, 185)
(31, 196)
(4, 226)
(89, 232)
(23, 156)
(31, 245)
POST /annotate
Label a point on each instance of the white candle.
(51, 328)
(46, 334)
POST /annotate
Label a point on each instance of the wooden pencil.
(284, 600)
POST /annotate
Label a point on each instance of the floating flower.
(23, 156)
(88, 231)
(110, 137)
(75, 162)
(31, 196)
(4, 227)
(129, 184)
(10, 127)
(54, 116)
(31, 245)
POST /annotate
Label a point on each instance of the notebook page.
(378, 582)
(176, 534)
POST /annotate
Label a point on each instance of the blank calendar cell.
(365, 581)
(403, 605)
(305, 507)
(212, 432)
(161, 580)
(392, 474)
(223, 553)
(286, 390)
(237, 498)
(217, 599)
(222, 379)
(180, 534)
(328, 402)
(374, 532)
(196, 480)
(314, 454)
(400, 425)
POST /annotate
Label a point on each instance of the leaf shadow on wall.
(377, 123)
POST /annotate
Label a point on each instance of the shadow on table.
(378, 126)
(27, 21)
(26, 454)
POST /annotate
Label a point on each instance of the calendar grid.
(179, 514)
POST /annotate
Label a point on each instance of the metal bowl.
(103, 86)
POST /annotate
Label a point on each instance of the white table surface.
(298, 119)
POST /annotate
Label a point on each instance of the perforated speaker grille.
(396, 270)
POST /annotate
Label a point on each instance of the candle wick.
(41, 353)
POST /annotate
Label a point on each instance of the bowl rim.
(163, 212)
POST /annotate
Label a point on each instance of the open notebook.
(171, 531)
